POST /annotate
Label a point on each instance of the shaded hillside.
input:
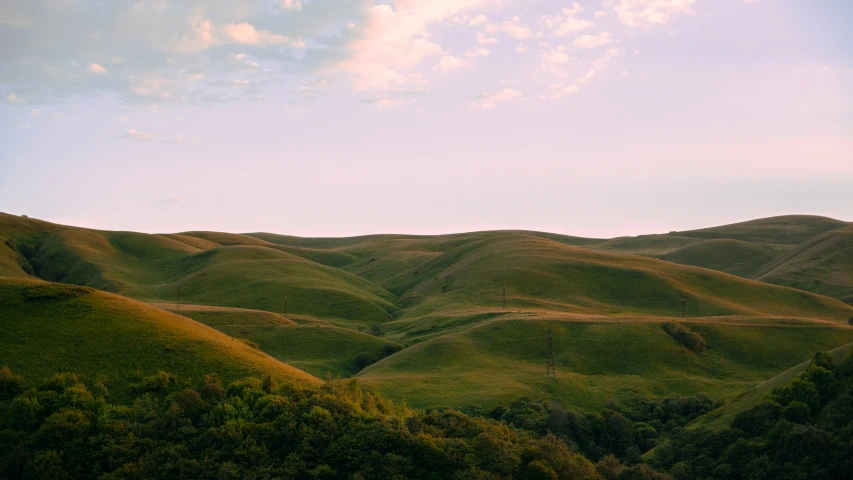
(784, 230)
(312, 302)
(50, 328)
(725, 255)
(318, 348)
(164, 267)
(823, 264)
(542, 275)
(597, 358)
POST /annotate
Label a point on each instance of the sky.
(332, 118)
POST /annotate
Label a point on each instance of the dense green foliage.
(683, 335)
(257, 429)
(802, 430)
(625, 430)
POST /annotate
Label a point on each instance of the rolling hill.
(311, 303)
(317, 347)
(597, 358)
(50, 328)
(823, 264)
(725, 255)
(783, 230)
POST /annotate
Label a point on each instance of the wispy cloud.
(383, 102)
(491, 100)
(138, 136)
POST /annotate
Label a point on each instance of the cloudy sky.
(340, 117)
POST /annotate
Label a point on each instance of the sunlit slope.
(267, 279)
(823, 264)
(379, 258)
(784, 230)
(49, 328)
(648, 245)
(542, 275)
(497, 361)
(151, 267)
(725, 255)
(14, 232)
(318, 348)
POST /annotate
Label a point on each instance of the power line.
(549, 368)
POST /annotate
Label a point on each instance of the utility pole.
(504, 298)
(683, 307)
(549, 369)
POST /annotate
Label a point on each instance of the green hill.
(309, 303)
(543, 275)
(823, 264)
(725, 255)
(50, 328)
(784, 230)
(318, 348)
(155, 267)
(724, 415)
(495, 362)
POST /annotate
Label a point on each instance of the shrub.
(60, 381)
(362, 360)
(376, 329)
(10, 384)
(391, 348)
(686, 337)
(850, 320)
(158, 382)
(211, 388)
(250, 343)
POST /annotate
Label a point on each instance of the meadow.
(454, 320)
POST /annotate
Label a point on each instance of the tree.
(10, 384)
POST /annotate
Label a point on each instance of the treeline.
(622, 430)
(251, 428)
(802, 430)
(258, 429)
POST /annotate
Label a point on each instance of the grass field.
(321, 349)
(823, 264)
(311, 303)
(497, 361)
(51, 328)
(724, 415)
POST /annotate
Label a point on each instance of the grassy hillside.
(648, 245)
(320, 349)
(784, 230)
(725, 255)
(542, 275)
(724, 415)
(495, 362)
(151, 267)
(823, 264)
(309, 302)
(49, 328)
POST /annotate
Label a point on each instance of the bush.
(362, 360)
(10, 384)
(686, 337)
(157, 383)
(376, 329)
(850, 320)
(391, 348)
